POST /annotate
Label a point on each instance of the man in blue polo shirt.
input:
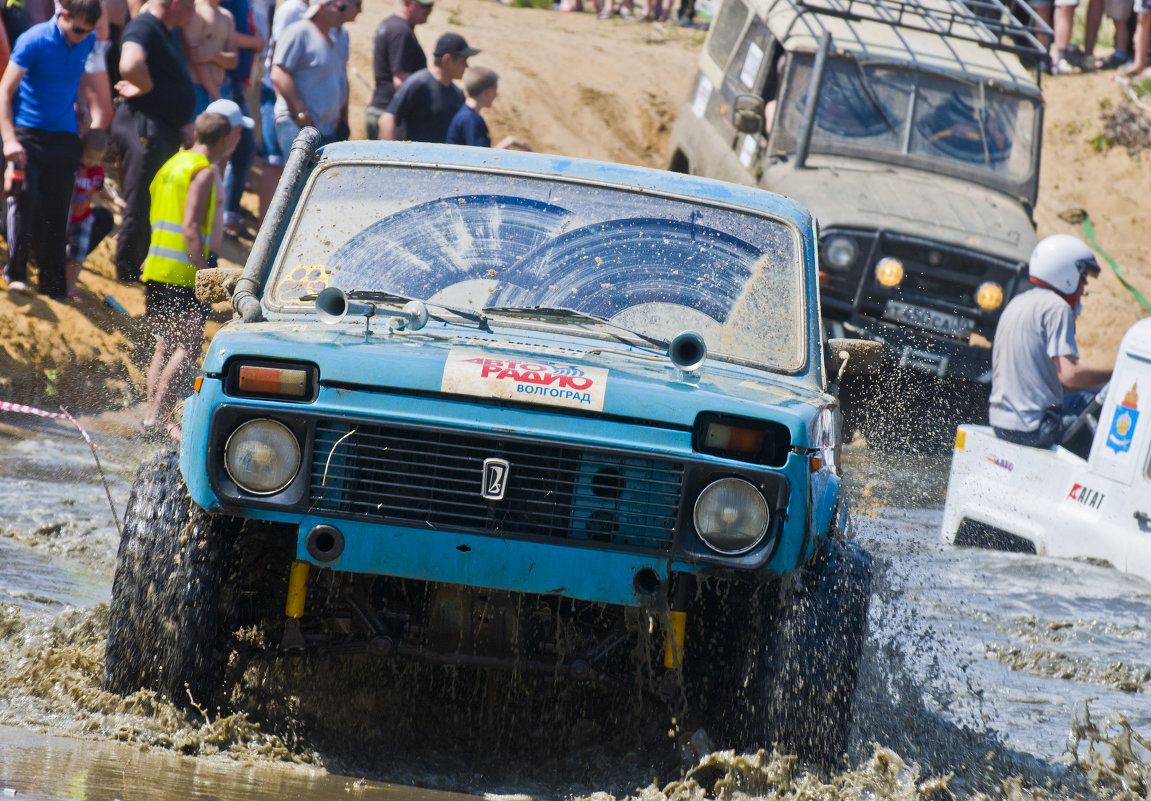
(38, 125)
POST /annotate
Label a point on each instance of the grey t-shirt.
(1035, 327)
(317, 67)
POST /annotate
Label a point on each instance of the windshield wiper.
(380, 296)
(560, 313)
(869, 93)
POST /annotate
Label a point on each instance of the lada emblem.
(495, 479)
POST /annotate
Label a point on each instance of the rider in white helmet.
(1035, 356)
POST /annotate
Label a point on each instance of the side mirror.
(747, 113)
(862, 356)
(216, 285)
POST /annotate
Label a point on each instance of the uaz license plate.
(940, 322)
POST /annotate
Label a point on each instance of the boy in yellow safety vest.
(183, 205)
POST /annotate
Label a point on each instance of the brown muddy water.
(986, 675)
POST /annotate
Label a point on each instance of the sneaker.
(17, 286)
(1063, 67)
(1117, 60)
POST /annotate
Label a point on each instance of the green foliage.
(544, 4)
(53, 377)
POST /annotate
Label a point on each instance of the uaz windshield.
(477, 240)
(889, 112)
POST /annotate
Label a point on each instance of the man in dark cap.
(424, 106)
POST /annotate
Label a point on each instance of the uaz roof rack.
(1008, 25)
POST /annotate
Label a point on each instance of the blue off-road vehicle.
(513, 412)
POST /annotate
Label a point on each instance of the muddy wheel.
(804, 688)
(163, 619)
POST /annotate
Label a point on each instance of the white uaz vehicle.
(1088, 497)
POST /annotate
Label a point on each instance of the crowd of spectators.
(1132, 35)
(123, 81)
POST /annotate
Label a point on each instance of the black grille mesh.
(431, 478)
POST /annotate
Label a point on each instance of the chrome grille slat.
(430, 479)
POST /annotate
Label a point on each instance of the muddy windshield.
(476, 240)
(888, 112)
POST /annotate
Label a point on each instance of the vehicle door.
(742, 43)
(1121, 451)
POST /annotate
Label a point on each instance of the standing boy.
(468, 126)
(87, 224)
(183, 207)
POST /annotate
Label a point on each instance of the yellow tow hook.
(294, 609)
(676, 635)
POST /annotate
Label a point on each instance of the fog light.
(262, 456)
(889, 272)
(731, 516)
(840, 252)
(989, 296)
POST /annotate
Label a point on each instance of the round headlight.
(889, 272)
(989, 296)
(840, 252)
(731, 516)
(262, 456)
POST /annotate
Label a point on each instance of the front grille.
(431, 479)
(936, 276)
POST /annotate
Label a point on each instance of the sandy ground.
(576, 86)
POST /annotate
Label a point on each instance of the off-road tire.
(803, 690)
(162, 625)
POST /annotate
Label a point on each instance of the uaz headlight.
(262, 456)
(840, 252)
(731, 516)
(989, 296)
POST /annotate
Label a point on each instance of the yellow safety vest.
(168, 261)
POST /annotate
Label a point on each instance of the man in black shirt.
(159, 101)
(424, 107)
(396, 54)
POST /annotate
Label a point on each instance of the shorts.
(1118, 10)
(167, 304)
(372, 121)
(272, 153)
(84, 236)
(1047, 3)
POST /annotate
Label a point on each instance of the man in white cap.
(310, 74)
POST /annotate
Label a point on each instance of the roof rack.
(1007, 25)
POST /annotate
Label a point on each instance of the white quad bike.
(1089, 497)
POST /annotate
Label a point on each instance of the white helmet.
(1060, 261)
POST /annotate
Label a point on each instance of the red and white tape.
(63, 414)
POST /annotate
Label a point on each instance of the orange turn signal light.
(273, 381)
(734, 438)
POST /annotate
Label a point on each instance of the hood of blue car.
(572, 374)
